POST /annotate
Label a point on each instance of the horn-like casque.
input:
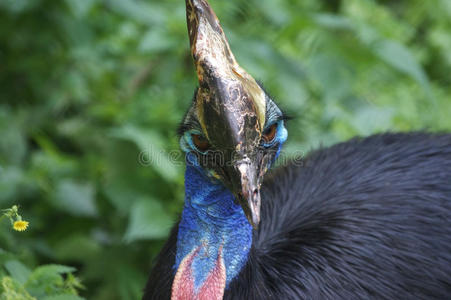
(218, 72)
(230, 106)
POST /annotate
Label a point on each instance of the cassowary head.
(233, 130)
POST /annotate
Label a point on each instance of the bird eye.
(270, 133)
(200, 142)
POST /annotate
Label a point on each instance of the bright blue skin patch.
(281, 137)
(211, 219)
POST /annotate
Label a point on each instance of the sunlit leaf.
(52, 269)
(333, 21)
(156, 40)
(399, 57)
(63, 297)
(145, 12)
(13, 290)
(80, 8)
(148, 220)
(18, 271)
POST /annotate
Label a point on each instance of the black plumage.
(366, 219)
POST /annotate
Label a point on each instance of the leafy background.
(91, 93)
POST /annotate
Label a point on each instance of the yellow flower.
(20, 225)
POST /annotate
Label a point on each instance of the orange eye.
(270, 133)
(200, 142)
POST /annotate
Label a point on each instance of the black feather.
(365, 219)
(189, 121)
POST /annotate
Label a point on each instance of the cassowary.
(365, 219)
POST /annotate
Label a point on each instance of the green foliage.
(12, 290)
(45, 282)
(91, 93)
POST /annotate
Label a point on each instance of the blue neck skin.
(211, 219)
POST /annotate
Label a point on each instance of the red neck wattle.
(212, 288)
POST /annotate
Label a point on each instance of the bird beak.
(224, 85)
(249, 193)
(230, 105)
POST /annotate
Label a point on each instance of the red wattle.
(214, 285)
(183, 285)
(211, 289)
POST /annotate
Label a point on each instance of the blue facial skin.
(281, 137)
(211, 220)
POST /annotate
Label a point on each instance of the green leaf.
(148, 220)
(80, 8)
(273, 10)
(11, 180)
(63, 297)
(76, 247)
(332, 74)
(400, 57)
(13, 146)
(17, 270)
(372, 119)
(76, 198)
(446, 5)
(12, 290)
(18, 6)
(156, 40)
(144, 12)
(152, 152)
(48, 280)
(333, 21)
(53, 269)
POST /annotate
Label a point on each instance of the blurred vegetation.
(91, 93)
